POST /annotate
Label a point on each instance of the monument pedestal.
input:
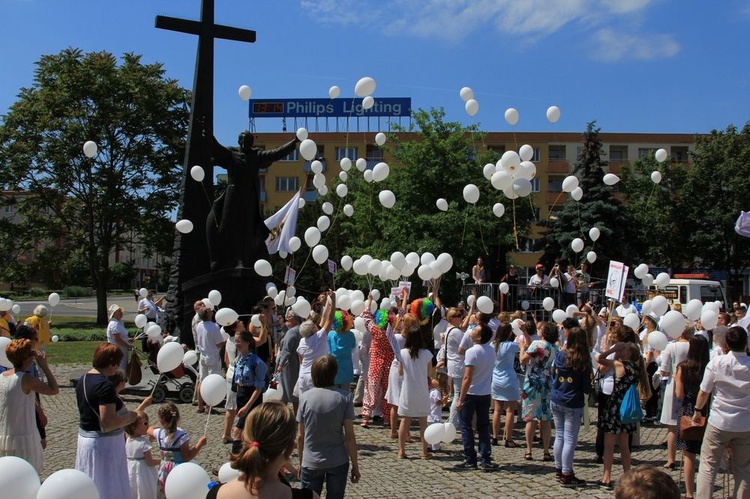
(241, 289)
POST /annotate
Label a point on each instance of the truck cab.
(686, 287)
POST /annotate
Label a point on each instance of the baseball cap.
(539, 266)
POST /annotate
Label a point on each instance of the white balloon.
(380, 138)
(213, 390)
(413, 259)
(504, 288)
(693, 309)
(527, 170)
(357, 294)
(380, 172)
(197, 173)
(301, 203)
(662, 280)
(472, 107)
(263, 268)
(302, 133)
(471, 193)
(511, 116)
(501, 180)
(591, 256)
(647, 280)
(646, 308)
(442, 204)
(308, 149)
(554, 282)
(525, 304)
(577, 245)
(485, 305)
(16, 309)
(559, 316)
(226, 316)
(140, 320)
(153, 331)
(641, 270)
(323, 223)
(90, 148)
(374, 266)
(434, 433)
(334, 92)
(320, 254)
(348, 210)
(361, 164)
(18, 478)
(357, 307)
(215, 296)
(576, 193)
(316, 166)
(498, 209)
(364, 87)
(169, 357)
(445, 262)
(466, 93)
(387, 198)
(67, 483)
(295, 243)
(184, 226)
(343, 176)
(655, 177)
(658, 340)
(227, 473)
(344, 302)
(291, 291)
(709, 319)
(569, 183)
(449, 433)
(53, 299)
(553, 114)
(659, 305)
(488, 170)
(346, 262)
(244, 92)
(661, 155)
(319, 180)
(4, 362)
(367, 175)
(398, 260)
(302, 307)
(594, 233)
(425, 272)
(611, 179)
(632, 321)
(526, 152)
(368, 102)
(548, 303)
(510, 160)
(190, 357)
(272, 394)
(522, 187)
(673, 323)
(255, 318)
(312, 236)
(571, 310)
(188, 480)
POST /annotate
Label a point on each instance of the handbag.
(690, 430)
(596, 389)
(630, 409)
(135, 371)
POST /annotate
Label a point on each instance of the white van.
(684, 288)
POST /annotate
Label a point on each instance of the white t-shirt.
(209, 340)
(482, 358)
(457, 339)
(623, 310)
(570, 283)
(311, 348)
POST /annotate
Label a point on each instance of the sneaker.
(571, 481)
(465, 466)
(485, 466)
(558, 474)
(494, 442)
(607, 486)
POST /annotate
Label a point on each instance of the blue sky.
(632, 65)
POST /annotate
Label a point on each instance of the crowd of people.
(406, 362)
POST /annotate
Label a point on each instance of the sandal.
(511, 444)
(547, 457)
(226, 440)
(528, 457)
(669, 466)
(401, 455)
(393, 435)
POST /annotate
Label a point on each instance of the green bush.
(76, 291)
(87, 334)
(37, 292)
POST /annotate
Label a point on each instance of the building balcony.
(558, 166)
(558, 197)
(310, 196)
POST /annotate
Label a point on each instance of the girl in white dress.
(414, 401)
(675, 352)
(144, 483)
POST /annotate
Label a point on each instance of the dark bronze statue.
(235, 227)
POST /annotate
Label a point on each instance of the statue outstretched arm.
(220, 155)
(270, 156)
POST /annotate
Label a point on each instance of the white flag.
(283, 226)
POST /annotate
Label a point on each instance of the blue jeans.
(335, 480)
(567, 425)
(479, 405)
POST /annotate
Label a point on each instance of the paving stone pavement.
(383, 475)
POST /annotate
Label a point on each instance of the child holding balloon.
(144, 483)
(174, 443)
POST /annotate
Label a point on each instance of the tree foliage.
(597, 208)
(138, 118)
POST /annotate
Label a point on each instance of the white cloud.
(611, 45)
(527, 20)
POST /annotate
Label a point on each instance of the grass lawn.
(71, 352)
(74, 322)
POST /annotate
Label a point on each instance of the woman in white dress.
(675, 352)
(414, 401)
(19, 435)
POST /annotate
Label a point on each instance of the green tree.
(715, 192)
(437, 163)
(138, 118)
(597, 208)
(656, 211)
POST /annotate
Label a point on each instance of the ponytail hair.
(169, 416)
(270, 431)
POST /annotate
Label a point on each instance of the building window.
(374, 154)
(535, 184)
(554, 184)
(646, 152)
(679, 155)
(287, 184)
(556, 153)
(10, 209)
(537, 155)
(346, 152)
(293, 156)
(528, 245)
(618, 153)
(497, 149)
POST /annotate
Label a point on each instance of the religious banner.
(283, 226)
(618, 274)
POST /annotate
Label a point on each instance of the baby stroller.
(180, 381)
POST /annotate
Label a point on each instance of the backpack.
(630, 409)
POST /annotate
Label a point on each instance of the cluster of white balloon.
(427, 266)
(19, 480)
(661, 156)
(440, 432)
(578, 244)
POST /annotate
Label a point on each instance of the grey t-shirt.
(322, 411)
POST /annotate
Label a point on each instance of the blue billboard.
(329, 108)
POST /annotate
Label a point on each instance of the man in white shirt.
(727, 378)
(475, 399)
(147, 307)
(626, 308)
(209, 346)
(538, 279)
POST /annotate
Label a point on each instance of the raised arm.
(272, 155)
(220, 155)
(328, 311)
(467, 318)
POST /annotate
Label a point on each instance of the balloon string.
(515, 227)
(209, 202)
(208, 416)
(155, 385)
(299, 272)
(549, 214)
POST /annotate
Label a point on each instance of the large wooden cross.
(190, 258)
